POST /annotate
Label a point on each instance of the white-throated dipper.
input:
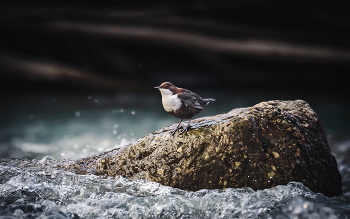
(181, 103)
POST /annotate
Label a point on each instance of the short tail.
(208, 100)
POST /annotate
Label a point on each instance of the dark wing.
(192, 99)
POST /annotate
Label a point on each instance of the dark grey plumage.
(192, 99)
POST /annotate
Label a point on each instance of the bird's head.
(167, 88)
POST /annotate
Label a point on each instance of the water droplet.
(96, 100)
(133, 112)
(116, 126)
(89, 97)
(62, 154)
(121, 110)
(77, 113)
(114, 131)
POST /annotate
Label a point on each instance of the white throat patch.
(170, 101)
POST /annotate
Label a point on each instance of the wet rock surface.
(269, 144)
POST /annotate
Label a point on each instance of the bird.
(181, 103)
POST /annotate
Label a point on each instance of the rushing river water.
(50, 136)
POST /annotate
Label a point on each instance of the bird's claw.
(173, 132)
(184, 130)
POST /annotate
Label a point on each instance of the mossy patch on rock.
(269, 144)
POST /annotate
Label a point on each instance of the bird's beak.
(156, 87)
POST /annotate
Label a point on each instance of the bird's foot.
(173, 132)
(184, 130)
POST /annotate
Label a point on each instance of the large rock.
(269, 144)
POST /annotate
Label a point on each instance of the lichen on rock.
(269, 144)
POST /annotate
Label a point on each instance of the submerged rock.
(269, 144)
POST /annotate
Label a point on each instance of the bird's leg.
(185, 130)
(173, 132)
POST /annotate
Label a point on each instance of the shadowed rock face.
(269, 144)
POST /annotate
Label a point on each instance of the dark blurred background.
(64, 58)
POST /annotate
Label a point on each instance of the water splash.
(30, 190)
